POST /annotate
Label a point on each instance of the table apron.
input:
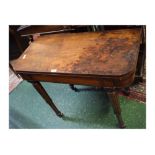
(117, 82)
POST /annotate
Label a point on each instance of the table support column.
(116, 107)
(37, 85)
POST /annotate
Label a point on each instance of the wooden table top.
(110, 53)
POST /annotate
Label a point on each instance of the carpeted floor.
(82, 110)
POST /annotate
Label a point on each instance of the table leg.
(73, 88)
(116, 107)
(37, 85)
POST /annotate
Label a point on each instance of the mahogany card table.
(101, 59)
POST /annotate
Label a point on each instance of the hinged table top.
(110, 53)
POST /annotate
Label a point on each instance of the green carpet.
(82, 110)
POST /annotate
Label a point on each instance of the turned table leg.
(116, 107)
(37, 85)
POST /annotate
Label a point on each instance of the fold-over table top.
(110, 53)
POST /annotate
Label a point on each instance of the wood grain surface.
(110, 53)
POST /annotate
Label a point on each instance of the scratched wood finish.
(112, 53)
